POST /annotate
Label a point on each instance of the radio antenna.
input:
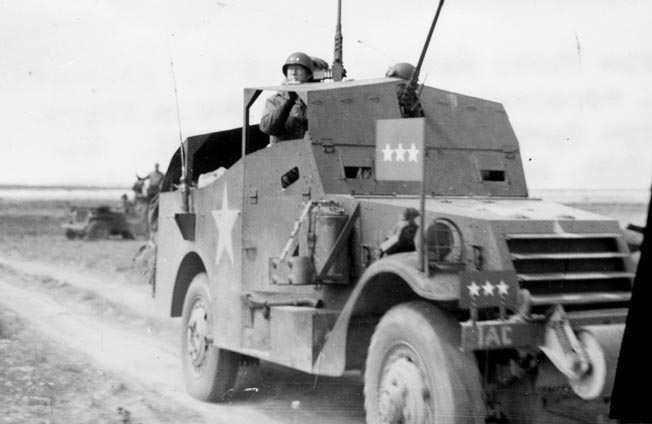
(176, 98)
(338, 65)
(183, 183)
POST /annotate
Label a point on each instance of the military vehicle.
(101, 222)
(406, 248)
(97, 223)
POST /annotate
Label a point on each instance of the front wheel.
(415, 372)
(209, 372)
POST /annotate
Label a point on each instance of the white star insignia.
(387, 153)
(503, 288)
(412, 153)
(488, 288)
(474, 289)
(400, 153)
(224, 220)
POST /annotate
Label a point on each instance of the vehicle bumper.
(516, 332)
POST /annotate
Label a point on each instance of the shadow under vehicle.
(492, 306)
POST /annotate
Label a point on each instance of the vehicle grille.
(579, 271)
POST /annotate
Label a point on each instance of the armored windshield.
(470, 146)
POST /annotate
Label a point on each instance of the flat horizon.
(119, 187)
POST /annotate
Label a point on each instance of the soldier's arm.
(277, 110)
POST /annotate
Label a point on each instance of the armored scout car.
(405, 248)
(288, 257)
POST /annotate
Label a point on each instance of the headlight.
(444, 242)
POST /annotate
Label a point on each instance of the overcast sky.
(87, 92)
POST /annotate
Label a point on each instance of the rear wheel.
(70, 234)
(98, 230)
(209, 372)
(415, 372)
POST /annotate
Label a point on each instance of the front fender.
(387, 282)
(439, 286)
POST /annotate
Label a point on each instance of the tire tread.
(465, 402)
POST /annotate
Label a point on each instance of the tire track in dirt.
(264, 394)
(117, 351)
(138, 299)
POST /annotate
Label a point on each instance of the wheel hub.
(403, 393)
(197, 334)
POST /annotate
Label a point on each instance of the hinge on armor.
(328, 145)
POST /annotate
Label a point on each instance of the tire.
(70, 234)
(98, 230)
(127, 235)
(209, 372)
(415, 372)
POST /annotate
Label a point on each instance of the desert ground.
(81, 341)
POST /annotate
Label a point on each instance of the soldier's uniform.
(155, 180)
(284, 118)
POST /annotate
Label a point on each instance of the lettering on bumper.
(489, 335)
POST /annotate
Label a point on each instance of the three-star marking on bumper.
(488, 289)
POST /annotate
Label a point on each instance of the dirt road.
(112, 327)
(81, 341)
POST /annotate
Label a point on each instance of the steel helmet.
(300, 59)
(400, 70)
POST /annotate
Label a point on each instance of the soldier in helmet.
(400, 70)
(284, 117)
(408, 101)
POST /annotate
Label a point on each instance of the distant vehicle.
(491, 306)
(98, 223)
(102, 222)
